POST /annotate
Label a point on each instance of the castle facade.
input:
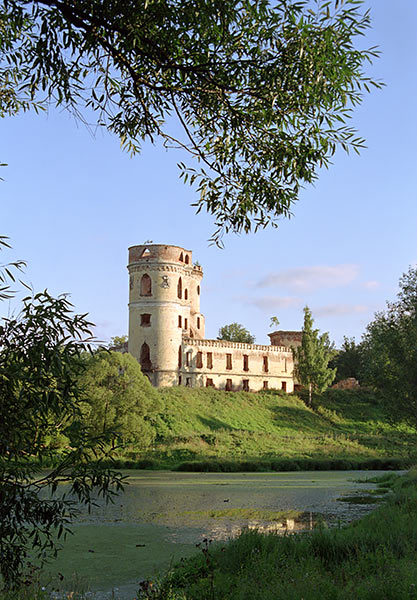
(166, 330)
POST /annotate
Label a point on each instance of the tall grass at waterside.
(371, 559)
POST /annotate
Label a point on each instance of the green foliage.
(366, 560)
(235, 333)
(348, 360)
(118, 340)
(40, 398)
(261, 92)
(119, 397)
(274, 322)
(7, 276)
(312, 358)
(390, 352)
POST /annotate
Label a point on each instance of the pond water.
(161, 516)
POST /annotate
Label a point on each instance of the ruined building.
(166, 330)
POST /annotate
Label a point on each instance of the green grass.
(370, 559)
(206, 429)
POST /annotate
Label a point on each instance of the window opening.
(145, 320)
(179, 321)
(146, 252)
(265, 364)
(188, 358)
(284, 386)
(186, 294)
(145, 357)
(181, 257)
(179, 288)
(198, 290)
(146, 285)
(245, 362)
(265, 385)
(245, 386)
(180, 357)
(209, 382)
(188, 382)
(199, 361)
(185, 323)
(187, 259)
(209, 360)
(179, 380)
(229, 385)
(198, 322)
(228, 361)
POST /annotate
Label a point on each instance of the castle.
(166, 330)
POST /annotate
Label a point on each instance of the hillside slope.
(211, 426)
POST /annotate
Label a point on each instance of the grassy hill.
(206, 429)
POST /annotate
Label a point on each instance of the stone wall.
(235, 366)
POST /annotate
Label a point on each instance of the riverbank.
(369, 559)
(215, 431)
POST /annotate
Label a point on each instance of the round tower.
(164, 307)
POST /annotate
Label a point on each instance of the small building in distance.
(166, 330)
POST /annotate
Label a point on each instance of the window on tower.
(179, 288)
(145, 320)
(146, 285)
(145, 357)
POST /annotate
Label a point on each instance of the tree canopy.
(258, 93)
(348, 360)
(235, 333)
(389, 349)
(311, 358)
(40, 399)
(119, 397)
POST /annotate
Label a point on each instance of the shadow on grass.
(216, 424)
(300, 420)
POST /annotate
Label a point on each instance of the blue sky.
(72, 202)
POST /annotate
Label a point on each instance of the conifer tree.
(312, 358)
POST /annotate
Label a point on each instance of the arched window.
(187, 259)
(179, 288)
(145, 358)
(146, 285)
(181, 257)
(186, 294)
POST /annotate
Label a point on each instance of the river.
(161, 516)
